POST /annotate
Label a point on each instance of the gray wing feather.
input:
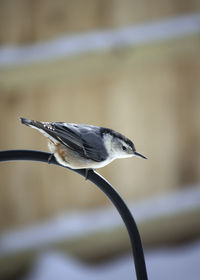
(84, 139)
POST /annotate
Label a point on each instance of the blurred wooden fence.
(24, 21)
(150, 93)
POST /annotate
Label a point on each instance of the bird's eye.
(123, 148)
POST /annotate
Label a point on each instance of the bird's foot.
(87, 170)
(50, 158)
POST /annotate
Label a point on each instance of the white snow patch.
(64, 227)
(181, 263)
(99, 40)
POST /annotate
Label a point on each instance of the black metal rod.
(106, 187)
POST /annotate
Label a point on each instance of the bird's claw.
(50, 158)
(87, 170)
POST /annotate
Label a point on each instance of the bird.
(83, 146)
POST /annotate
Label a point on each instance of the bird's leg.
(50, 158)
(86, 172)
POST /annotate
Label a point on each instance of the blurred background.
(133, 66)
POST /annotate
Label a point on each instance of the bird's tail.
(32, 123)
(43, 127)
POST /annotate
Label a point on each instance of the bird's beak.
(139, 155)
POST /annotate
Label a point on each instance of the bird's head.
(118, 146)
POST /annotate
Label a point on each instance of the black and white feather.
(84, 146)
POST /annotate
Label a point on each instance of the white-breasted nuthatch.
(84, 146)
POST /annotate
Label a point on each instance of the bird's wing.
(84, 139)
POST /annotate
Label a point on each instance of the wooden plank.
(81, 68)
(23, 21)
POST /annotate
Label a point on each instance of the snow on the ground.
(65, 227)
(172, 263)
(181, 263)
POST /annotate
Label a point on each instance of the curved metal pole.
(106, 187)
